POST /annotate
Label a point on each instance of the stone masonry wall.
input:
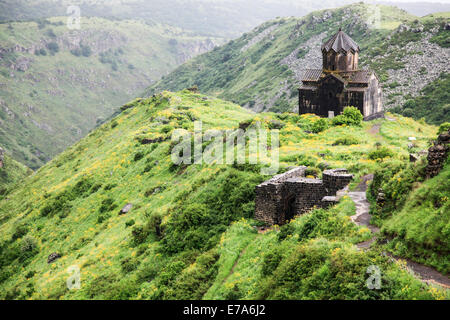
(437, 154)
(284, 196)
(269, 196)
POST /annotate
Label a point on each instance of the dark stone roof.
(340, 41)
(361, 76)
(312, 75)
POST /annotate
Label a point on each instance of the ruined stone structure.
(340, 83)
(437, 154)
(286, 195)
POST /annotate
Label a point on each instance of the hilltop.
(57, 84)
(262, 69)
(190, 232)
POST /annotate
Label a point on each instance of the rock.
(417, 30)
(413, 157)
(126, 208)
(411, 145)
(163, 120)
(53, 257)
(403, 28)
(150, 141)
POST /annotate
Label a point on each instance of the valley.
(57, 84)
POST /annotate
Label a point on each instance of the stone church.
(340, 83)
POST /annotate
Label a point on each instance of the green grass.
(418, 223)
(190, 232)
(11, 174)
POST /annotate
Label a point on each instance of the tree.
(86, 50)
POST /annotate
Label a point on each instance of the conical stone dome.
(340, 41)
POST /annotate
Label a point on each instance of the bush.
(107, 205)
(86, 50)
(380, 153)
(285, 231)
(319, 125)
(53, 47)
(346, 141)
(351, 117)
(138, 156)
(76, 52)
(444, 127)
(19, 232)
(271, 261)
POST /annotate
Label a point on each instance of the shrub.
(285, 231)
(76, 52)
(380, 153)
(86, 50)
(351, 117)
(271, 261)
(129, 223)
(107, 205)
(51, 33)
(53, 47)
(346, 141)
(138, 156)
(19, 232)
(444, 127)
(319, 125)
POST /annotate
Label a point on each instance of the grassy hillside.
(190, 232)
(11, 173)
(262, 69)
(432, 102)
(415, 216)
(57, 84)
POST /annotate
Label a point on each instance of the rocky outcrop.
(437, 154)
(189, 50)
(423, 62)
(260, 36)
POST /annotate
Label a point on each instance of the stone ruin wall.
(437, 154)
(273, 196)
(269, 196)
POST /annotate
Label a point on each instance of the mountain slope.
(189, 232)
(262, 69)
(219, 18)
(11, 172)
(57, 84)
